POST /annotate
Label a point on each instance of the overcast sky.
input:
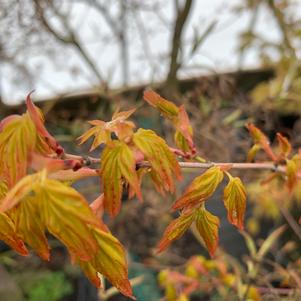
(219, 52)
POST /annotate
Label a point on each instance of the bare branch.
(71, 37)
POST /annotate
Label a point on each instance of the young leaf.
(185, 129)
(102, 130)
(163, 162)
(30, 227)
(17, 141)
(207, 224)
(261, 140)
(252, 152)
(291, 174)
(46, 140)
(179, 118)
(235, 201)
(9, 235)
(284, 146)
(3, 189)
(109, 261)
(66, 215)
(117, 165)
(201, 188)
(62, 210)
(176, 229)
(167, 108)
(101, 135)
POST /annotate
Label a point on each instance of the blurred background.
(229, 62)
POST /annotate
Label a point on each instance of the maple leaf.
(207, 225)
(176, 229)
(291, 172)
(284, 146)
(201, 188)
(179, 118)
(163, 162)
(3, 189)
(102, 130)
(63, 211)
(117, 166)
(46, 142)
(235, 201)
(65, 214)
(17, 140)
(8, 234)
(110, 261)
(29, 226)
(167, 108)
(261, 141)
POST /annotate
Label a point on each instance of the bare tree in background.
(46, 28)
(182, 14)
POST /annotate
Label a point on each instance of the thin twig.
(291, 221)
(262, 165)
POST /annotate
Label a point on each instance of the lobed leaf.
(261, 141)
(29, 226)
(167, 108)
(179, 118)
(235, 201)
(176, 229)
(163, 162)
(117, 166)
(102, 130)
(207, 225)
(284, 146)
(46, 142)
(9, 235)
(201, 188)
(110, 261)
(67, 215)
(17, 141)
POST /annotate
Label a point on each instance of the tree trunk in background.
(176, 43)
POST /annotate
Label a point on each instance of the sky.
(218, 54)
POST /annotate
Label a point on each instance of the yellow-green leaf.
(118, 166)
(207, 225)
(67, 215)
(261, 140)
(8, 234)
(110, 261)
(291, 173)
(201, 188)
(179, 118)
(176, 229)
(163, 162)
(284, 146)
(235, 201)
(30, 227)
(17, 140)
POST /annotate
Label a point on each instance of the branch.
(196, 165)
(71, 38)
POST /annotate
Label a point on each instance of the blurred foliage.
(283, 91)
(45, 285)
(227, 278)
